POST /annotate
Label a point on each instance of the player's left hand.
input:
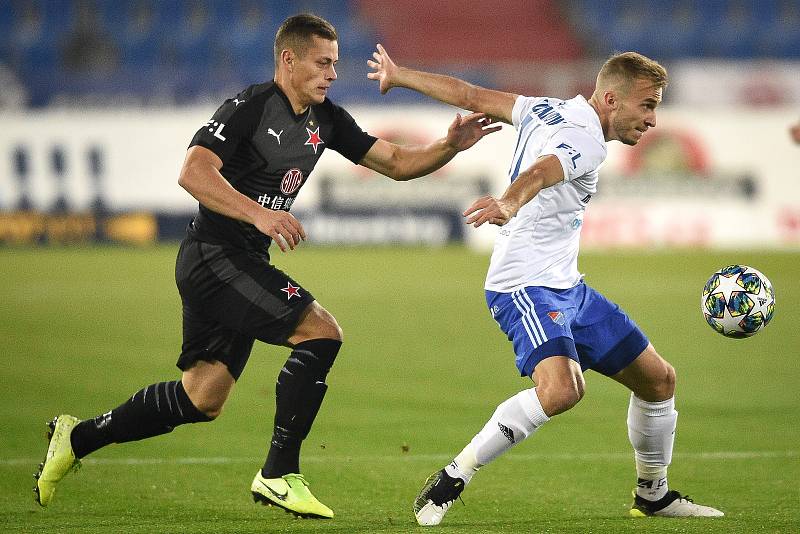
(465, 131)
(489, 210)
(385, 69)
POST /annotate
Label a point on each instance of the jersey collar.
(297, 117)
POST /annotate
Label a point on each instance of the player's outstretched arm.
(547, 171)
(200, 176)
(405, 162)
(447, 89)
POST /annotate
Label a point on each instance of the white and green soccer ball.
(738, 301)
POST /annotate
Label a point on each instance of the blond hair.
(622, 69)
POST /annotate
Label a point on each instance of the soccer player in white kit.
(559, 326)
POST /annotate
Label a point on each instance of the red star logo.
(314, 139)
(291, 291)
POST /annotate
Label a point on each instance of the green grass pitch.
(422, 368)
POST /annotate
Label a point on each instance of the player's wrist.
(451, 147)
(253, 211)
(510, 205)
(402, 77)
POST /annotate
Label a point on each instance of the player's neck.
(603, 118)
(297, 106)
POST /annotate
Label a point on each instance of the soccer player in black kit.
(245, 166)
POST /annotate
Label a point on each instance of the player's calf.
(151, 411)
(299, 392)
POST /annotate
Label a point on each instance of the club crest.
(557, 317)
(292, 181)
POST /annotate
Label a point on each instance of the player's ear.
(610, 99)
(287, 58)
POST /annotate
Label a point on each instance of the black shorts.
(232, 297)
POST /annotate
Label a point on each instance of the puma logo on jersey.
(277, 136)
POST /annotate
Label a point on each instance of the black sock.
(152, 411)
(299, 392)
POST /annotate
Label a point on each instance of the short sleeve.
(232, 122)
(578, 151)
(522, 106)
(349, 139)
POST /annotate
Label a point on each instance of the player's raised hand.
(281, 226)
(489, 210)
(385, 69)
(464, 132)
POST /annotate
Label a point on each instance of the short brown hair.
(296, 31)
(626, 67)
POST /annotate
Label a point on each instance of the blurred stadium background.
(100, 98)
(98, 101)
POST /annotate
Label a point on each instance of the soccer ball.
(738, 301)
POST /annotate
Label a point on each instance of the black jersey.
(267, 154)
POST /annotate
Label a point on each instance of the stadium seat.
(160, 41)
(36, 30)
(780, 36)
(446, 32)
(249, 45)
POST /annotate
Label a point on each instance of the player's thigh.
(536, 321)
(243, 292)
(205, 339)
(650, 377)
(606, 338)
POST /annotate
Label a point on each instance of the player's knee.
(327, 329)
(559, 396)
(318, 323)
(572, 393)
(660, 384)
(207, 386)
(207, 403)
(334, 331)
(665, 388)
(211, 408)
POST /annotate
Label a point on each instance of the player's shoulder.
(329, 107)
(546, 109)
(253, 95)
(246, 103)
(525, 102)
(579, 117)
(329, 111)
(554, 111)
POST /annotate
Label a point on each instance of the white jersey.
(539, 246)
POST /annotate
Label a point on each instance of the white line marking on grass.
(569, 457)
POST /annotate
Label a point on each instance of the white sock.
(513, 421)
(651, 430)
(464, 465)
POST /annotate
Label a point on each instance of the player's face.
(314, 72)
(636, 111)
